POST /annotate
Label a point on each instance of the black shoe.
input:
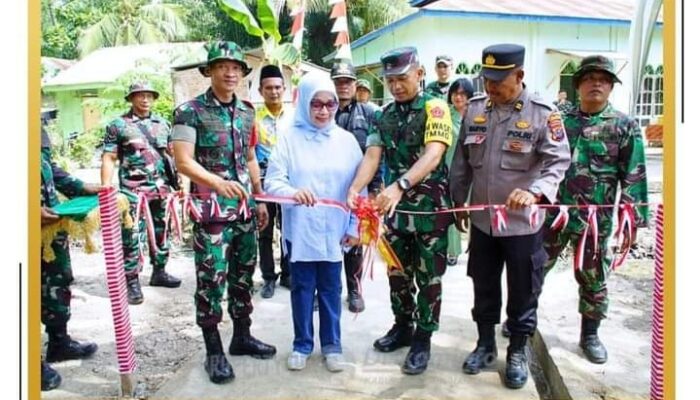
(164, 279)
(505, 332)
(356, 303)
(218, 368)
(516, 364)
(250, 346)
(482, 357)
(133, 291)
(66, 348)
(50, 379)
(216, 364)
(417, 358)
(285, 281)
(268, 289)
(452, 260)
(593, 349)
(397, 337)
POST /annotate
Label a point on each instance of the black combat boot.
(485, 353)
(400, 335)
(216, 364)
(592, 347)
(516, 362)
(244, 344)
(50, 379)
(505, 332)
(61, 347)
(133, 290)
(418, 356)
(356, 303)
(164, 279)
(268, 289)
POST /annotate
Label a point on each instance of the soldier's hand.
(93, 188)
(305, 197)
(230, 189)
(519, 199)
(48, 216)
(350, 241)
(263, 216)
(462, 221)
(388, 199)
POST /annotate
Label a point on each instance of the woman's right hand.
(305, 197)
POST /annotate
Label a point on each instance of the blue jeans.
(307, 278)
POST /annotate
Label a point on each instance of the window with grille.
(650, 101)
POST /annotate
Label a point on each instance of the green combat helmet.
(595, 63)
(221, 50)
(137, 87)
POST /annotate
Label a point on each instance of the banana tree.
(266, 27)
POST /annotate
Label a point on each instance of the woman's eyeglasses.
(317, 105)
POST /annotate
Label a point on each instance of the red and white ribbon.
(189, 208)
(172, 223)
(534, 215)
(592, 226)
(625, 229)
(243, 209)
(499, 222)
(116, 280)
(561, 220)
(657, 313)
(265, 198)
(144, 211)
(215, 209)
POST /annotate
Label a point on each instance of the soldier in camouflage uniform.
(606, 149)
(443, 69)
(564, 105)
(57, 275)
(512, 151)
(138, 141)
(414, 132)
(214, 141)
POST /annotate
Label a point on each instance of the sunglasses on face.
(318, 105)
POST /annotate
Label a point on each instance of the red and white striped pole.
(116, 287)
(657, 323)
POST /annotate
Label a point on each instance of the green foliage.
(72, 153)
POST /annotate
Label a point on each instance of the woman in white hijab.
(315, 159)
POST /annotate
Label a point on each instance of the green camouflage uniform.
(607, 149)
(420, 242)
(57, 275)
(225, 247)
(437, 89)
(565, 107)
(137, 143)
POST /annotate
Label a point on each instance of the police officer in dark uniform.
(355, 118)
(512, 150)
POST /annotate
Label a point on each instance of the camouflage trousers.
(224, 253)
(424, 258)
(138, 235)
(593, 291)
(56, 277)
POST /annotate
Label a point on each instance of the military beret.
(343, 69)
(399, 61)
(595, 63)
(137, 87)
(499, 60)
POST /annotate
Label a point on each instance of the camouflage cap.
(595, 63)
(364, 83)
(222, 50)
(443, 59)
(343, 69)
(399, 61)
(143, 86)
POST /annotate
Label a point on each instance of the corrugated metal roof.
(595, 9)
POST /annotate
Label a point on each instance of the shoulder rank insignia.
(518, 105)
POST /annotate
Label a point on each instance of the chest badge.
(480, 119)
(522, 124)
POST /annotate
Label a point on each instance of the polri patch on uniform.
(480, 119)
(556, 129)
(474, 139)
(522, 124)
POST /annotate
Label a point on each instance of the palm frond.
(167, 18)
(102, 34)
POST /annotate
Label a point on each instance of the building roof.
(598, 12)
(104, 66)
